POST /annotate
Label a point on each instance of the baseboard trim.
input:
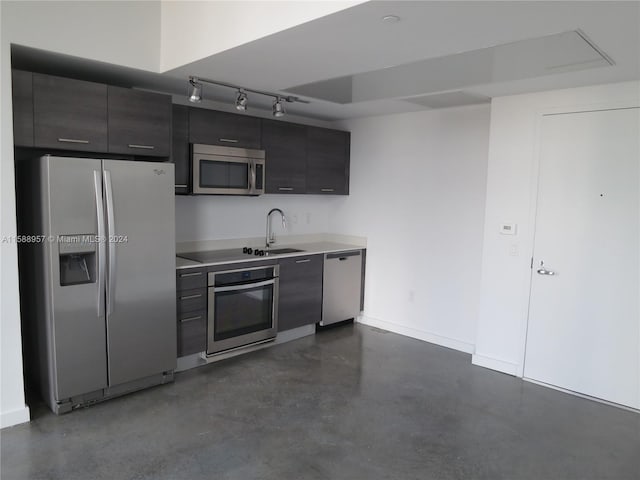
(295, 333)
(417, 334)
(495, 364)
(14, 417)
(582, 395)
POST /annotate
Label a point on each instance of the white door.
(584, 317)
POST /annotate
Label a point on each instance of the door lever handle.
(543, 271)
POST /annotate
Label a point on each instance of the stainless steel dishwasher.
(342, 282)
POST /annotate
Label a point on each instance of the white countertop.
(235, 255)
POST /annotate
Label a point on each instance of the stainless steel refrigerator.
(97, 276)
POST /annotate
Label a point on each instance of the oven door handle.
(244, 286)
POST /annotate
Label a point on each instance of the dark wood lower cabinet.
(192, 333)
(300, 298)
(191, 306)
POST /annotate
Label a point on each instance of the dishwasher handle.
(343, 255)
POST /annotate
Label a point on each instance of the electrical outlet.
(508, 229)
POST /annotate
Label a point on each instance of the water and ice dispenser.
(77, 254)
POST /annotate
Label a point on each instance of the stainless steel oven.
(227, 170)
(242, 307)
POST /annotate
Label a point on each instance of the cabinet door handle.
(141, 147)
(192, 274)
(191, 297)
(180, 186)
(228, 140)
(306, 260)
(285, 189)
(326, 189)
(190, 319)
(72, 140)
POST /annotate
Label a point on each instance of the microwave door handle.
(244, 286)
(252, 179)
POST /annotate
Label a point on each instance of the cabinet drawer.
(191, 278)
(192, 300)
(192, 333)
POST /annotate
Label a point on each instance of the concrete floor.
(349, 403)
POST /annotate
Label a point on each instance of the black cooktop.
(212, 256)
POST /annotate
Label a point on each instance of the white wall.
(192, 30)
(417, 193)
(125, 33)
(511, 187)
(202, 218)
(12, 406)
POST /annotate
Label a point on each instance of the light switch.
(508, 228)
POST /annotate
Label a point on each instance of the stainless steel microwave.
(220, 170)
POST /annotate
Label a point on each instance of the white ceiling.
(355, 41)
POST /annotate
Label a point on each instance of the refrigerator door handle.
(97, 183)
(110, 245)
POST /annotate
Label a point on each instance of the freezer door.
(75, 321)
(141, 290)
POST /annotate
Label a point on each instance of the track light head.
(278, 108)
(195, 95)
(241, 100)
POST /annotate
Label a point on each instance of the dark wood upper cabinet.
(328, 161)
(180, 148)
(69, 114)
(286, 157)
(221, 128)
(139, 122)
(300, 291)
(22, 92)
(60, 113)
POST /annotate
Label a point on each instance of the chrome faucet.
(271, 238)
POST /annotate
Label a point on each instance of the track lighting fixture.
(195, 95)
(241, 100)
(278, 108)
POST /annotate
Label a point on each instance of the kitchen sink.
(276, 251)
